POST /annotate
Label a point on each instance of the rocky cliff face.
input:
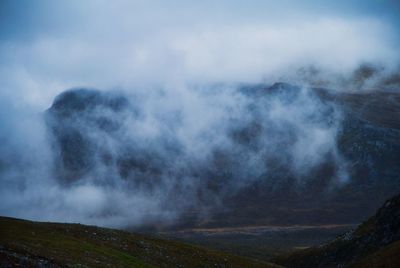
(268, 169)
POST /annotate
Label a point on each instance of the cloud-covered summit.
(176, 110)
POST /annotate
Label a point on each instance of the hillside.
(290, 156)
(375, 243)
(36, 244)
(368, 149)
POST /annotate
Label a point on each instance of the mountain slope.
(289, 155)
(35, 244)
(375, 243)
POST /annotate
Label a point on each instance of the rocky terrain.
(375, 243)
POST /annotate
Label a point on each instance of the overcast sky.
(48, 46)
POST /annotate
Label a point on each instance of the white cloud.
(134, 44)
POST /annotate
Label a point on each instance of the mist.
(193, 124)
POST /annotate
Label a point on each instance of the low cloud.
(191, 133)
(119, 159)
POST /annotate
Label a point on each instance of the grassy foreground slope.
(36, 244)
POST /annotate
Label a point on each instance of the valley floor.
(260, 242)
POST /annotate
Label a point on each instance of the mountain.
(37, 244)
(73, 115)
(375, 243)
(293, 155)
